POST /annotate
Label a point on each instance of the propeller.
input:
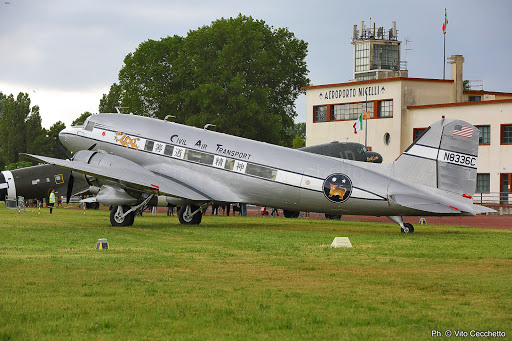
(69, 192)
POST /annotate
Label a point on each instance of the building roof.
(497, 101)
(378, 81)
(483, 92)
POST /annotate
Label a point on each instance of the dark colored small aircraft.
(35, 182)
(345, 150)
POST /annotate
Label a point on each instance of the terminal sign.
(364, 91)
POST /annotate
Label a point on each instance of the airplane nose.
(66, 137)
(62, 135)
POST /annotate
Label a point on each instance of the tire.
(186, 219)
(116, 220)
(408, 228)
(291, 214)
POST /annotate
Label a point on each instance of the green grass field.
(246, 278)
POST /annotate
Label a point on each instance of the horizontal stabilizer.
(482, 209)
(425, 204)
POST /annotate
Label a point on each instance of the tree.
(110, 101)
(20, 164)
(52, 136)
(35, 134)
(80, 120)
(466, 85)
(13, 135)
(21, 131)
(2, 158)
(298, 142)
(151, 80)
(238, 73)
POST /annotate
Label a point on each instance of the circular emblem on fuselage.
(337, 188)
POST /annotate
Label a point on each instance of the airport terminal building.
(399, 108)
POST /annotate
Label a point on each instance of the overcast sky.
(66, 54)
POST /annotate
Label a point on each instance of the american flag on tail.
(460, 130)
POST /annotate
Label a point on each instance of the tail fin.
(445, 157)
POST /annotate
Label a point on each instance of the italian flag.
(358, 126)
(445, 22)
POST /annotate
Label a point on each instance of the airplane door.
(291, 191)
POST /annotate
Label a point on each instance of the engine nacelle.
(7, 186)
(112, 196)
(109, 192)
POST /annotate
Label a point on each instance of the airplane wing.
(133, 176)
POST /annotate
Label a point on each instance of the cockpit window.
(88, 125)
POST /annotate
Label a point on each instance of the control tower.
(377, 53)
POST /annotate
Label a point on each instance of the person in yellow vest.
(51, 202)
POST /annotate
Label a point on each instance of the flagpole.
(366, 121)
(444, 48)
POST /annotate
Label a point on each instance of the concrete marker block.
(341, 242)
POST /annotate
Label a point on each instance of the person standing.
(51, 202)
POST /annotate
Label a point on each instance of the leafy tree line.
(21, 132)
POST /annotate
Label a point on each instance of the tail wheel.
(190, 215)
(117, 217)
(408, 228)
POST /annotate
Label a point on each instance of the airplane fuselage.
(240, 170)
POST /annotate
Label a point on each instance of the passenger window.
(149, 145)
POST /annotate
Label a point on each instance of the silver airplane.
(130, 160)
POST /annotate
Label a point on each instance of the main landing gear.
(404, 227)
(190, 215)
(122, 216)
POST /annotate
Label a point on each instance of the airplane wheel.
(408, 228)
(186, 217)
(291, 214)
(116, 218)
(333, 216)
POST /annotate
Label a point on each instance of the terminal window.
(320, 114)
(485, 135)
(365, 76)
(362, 62)
(506, 134)
(350, 111)
(385, 57)
(386, 109)
(482, 183)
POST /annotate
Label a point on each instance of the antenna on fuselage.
(169, 116)
(118, 109)
(208, 125)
